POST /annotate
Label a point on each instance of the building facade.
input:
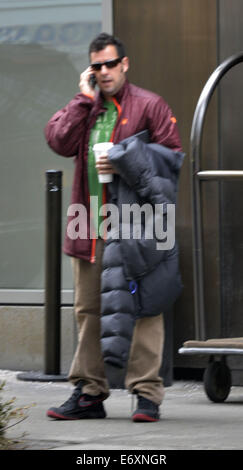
(174, 46)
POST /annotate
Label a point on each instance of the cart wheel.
(217, 381)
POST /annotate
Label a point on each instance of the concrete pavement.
(189, 421)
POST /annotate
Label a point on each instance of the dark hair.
(103, 40)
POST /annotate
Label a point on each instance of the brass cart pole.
(197, 176)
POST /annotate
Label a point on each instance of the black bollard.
(52, 329)
(53, 272)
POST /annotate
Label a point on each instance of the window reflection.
(43, 49)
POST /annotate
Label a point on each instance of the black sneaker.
(147, 411)
(79, 406)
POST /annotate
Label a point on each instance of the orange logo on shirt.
(124, 121)
(173, 119)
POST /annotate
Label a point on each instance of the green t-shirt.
(101, 132)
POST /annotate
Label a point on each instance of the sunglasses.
(110, 64)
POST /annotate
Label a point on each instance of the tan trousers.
(147, 344)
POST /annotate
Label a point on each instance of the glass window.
(43, 49)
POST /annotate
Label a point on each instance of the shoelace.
(75, 395)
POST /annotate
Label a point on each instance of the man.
(119, 110)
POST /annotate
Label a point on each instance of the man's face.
(109, 80)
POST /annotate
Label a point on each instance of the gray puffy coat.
(138, 279)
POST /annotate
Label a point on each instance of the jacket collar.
(122, 92)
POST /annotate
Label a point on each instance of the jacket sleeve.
(64, 130)
(163, 125)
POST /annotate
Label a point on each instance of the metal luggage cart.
(217, 375)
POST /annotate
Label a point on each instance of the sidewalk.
(189, 421)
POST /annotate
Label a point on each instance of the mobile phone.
(92, 80)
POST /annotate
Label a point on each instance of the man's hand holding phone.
(87, 82)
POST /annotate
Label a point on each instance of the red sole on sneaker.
(52, 414)
(140, 417)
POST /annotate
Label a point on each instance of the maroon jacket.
(68, 131)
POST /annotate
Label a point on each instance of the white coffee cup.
(101, 149)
